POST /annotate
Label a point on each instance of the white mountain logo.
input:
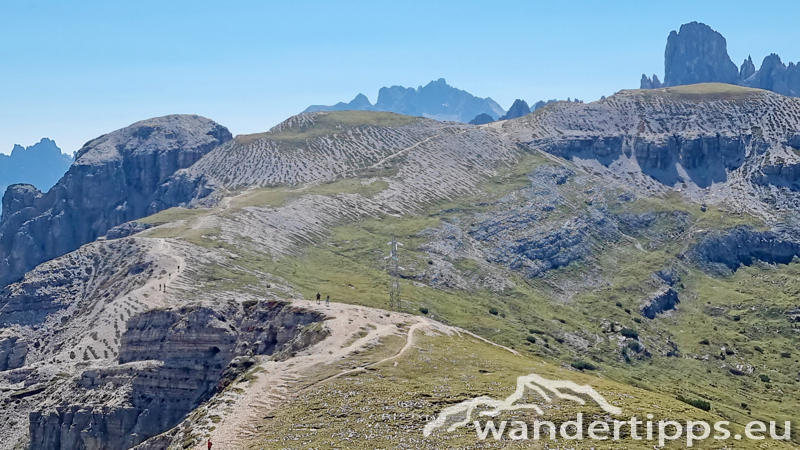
(542, 386)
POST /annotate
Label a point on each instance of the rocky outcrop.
(170, 361)
(481, 119)
(697, 54)
(746, 70)
(648, 83)
(13, 350)
(116, 178)
(127, 229)
(793, 140)
(522, 239)
(705, 158)
(665, 299)
(783, 175)
(436, 100)
(724, 253)
(518, 109)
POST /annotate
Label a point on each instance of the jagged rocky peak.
(747, 70)
(697, 54)
(116, 178)
(518, 109)
(541, 104)
(650, 83)
(775, 76)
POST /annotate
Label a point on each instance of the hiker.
(327, 300)
(209, 444)
(318, 298)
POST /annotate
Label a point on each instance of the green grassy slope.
(721, 324)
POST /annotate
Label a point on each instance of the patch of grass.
(174, 215)
(437, 372)
(330, 123)
(703, 92)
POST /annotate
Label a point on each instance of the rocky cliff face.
(170, 360)
(722, 253)
(698, 54)
(116, 178)
(712, 141)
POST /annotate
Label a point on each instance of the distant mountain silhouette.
(481, 119)
(437, 100)
(41, 165)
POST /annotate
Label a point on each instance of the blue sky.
(72, 70)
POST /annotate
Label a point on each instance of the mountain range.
(698, 54)
(436, 100)
(163, 294)
(41, 165)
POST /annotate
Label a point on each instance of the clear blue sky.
(72, 70)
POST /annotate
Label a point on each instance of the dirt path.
(409, 343)
(280, 380)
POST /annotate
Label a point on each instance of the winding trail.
(278, 381)
(409, 343)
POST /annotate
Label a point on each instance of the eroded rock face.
(664, 299)
(170, 361)
(12, 351)
(697, 54)
(116, 178)
(783, 175)
(724, 253)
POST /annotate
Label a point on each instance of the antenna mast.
(394, 273)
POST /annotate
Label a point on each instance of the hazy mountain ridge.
(436, 100)
(41, 165)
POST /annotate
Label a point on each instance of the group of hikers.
(327, 299)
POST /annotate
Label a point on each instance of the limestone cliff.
(170, 360)
(116, 178)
